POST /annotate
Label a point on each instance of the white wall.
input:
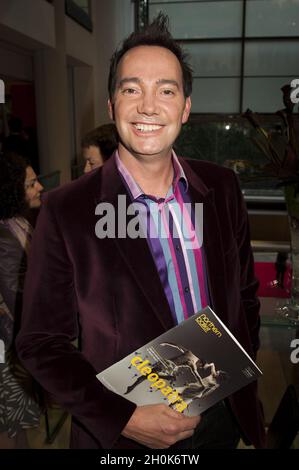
(51, 43)
(85, 103)
(15, 62)
(114, 20)
(52, 102)
(91, 53)
(80, 43)
(32, 18)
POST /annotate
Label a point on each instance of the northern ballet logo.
(2, 92)
(294, 96)
(2, 352)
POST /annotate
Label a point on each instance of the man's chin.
(149, 152)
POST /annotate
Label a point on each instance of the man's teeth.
(147, 127)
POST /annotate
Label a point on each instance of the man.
(98, 145)
(119, 293)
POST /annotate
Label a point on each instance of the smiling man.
(149, 103)
(149, 107)
(117, 294)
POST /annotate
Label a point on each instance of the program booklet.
(189, 368)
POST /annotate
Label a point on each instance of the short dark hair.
(155, 34)
(12, 185)
(104, 137)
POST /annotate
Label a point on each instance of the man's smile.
(146, 128)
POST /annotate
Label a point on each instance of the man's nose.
(148, 104)
(39, 187)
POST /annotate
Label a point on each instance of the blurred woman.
(20, 192)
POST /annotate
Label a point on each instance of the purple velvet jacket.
(108, 294)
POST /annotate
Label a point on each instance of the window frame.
(73, 11)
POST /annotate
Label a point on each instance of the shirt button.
(177, 247)
(187, 290)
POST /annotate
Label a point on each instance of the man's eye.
(167, 92)
(129, 91)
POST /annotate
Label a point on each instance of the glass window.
(221, 55)
(215, 95)
(262, 94)
(228, 141)
(215, 19)
(242, 53)
(215, 59)
(272, 58)
(272, 18)
(219, 139)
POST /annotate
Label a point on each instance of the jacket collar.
(212, 240)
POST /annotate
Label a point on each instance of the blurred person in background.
(98, 145)
(20, 192)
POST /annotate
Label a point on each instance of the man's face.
(93, 157)
(149, 106)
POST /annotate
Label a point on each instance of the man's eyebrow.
(168, 81)
(160, 81)
(123, 81)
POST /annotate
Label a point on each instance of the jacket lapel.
(212, 241)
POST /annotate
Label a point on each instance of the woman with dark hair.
(19, 193)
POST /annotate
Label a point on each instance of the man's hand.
(159, 427)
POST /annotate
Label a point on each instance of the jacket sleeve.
(248, 282)
(50, 325)
(12, 274)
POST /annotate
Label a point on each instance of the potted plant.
(281, 149)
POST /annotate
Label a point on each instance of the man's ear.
(187, 110)
(111, 109)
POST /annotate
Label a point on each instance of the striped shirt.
(174, 240)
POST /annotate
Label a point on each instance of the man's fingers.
(185, 435)
(172, 413)
(159, 427)
(173, 427)
(191, 421)
(188, 423)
